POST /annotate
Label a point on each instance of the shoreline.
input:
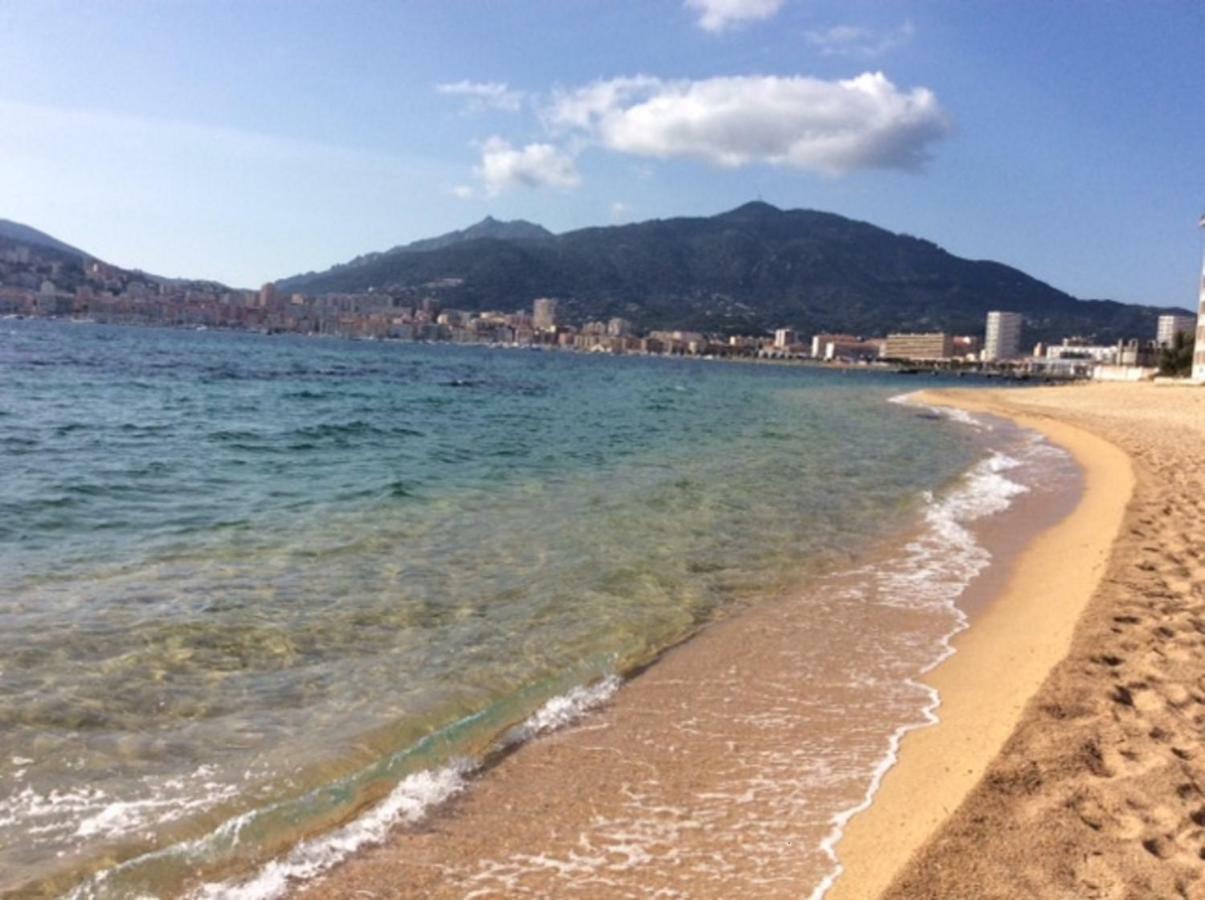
(1000, 662)
(683, 683)
(471, 822)
(1100, 789)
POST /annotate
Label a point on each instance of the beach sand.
(717, 771)
(1070, 761)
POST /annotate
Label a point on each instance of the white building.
(543, 313)
(1003, 339)
(1170, 326)
(784, 338)
(1101, 354)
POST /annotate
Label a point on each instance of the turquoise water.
(271, 576)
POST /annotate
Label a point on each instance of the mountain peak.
(754, 209)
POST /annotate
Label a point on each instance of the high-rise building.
(618, 327)
(1170, 326)
(543, 313)
(1003, 339)
(783, 338)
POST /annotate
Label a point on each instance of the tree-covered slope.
(748, 270)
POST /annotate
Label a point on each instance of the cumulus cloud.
(484, 94)
(853, 40)
(717, 15)
(536, 165)
(832, 127)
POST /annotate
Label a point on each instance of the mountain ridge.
(18, 233)
(748, 269)
(489, 227)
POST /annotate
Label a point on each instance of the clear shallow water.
(273, 577)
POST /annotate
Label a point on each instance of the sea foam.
(933, 571)
(409, 802)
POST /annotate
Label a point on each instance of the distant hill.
(48, 255)
(744, 271)
(489, 227)
(14, 233)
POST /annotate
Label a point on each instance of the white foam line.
(410, 801)
(952, 413)
(829, 844)
(986, 472)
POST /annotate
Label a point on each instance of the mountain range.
(745, 271)
(748, 270)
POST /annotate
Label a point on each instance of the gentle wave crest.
(934, 571)
(412, 799)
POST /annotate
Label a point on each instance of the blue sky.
(244, 141)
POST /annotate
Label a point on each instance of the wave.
(953, 413)
(410, 800)
(407, 803)
(934, 571)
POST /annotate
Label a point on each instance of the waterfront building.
(1003, 340)
(1138, 354)
(820, 341)
(1075, 349)
(930, 345)
(1171, 325)
(617, 327)
(846, 349)
(967, 346)
(543, 313)
(784, 338)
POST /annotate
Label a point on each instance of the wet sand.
(714, 773)
(1070, 761)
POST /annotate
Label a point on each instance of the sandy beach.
(1087, 676)
(1066, 763)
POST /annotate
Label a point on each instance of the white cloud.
(831, 127)
(463, 191)
(485, 94)
(853, 40)
(716, 15)
(535, 165)
(620, 211)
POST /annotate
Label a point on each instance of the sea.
(265, 598)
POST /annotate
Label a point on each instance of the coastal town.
(35, 286)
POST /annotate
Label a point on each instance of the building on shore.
(1080, 350)
(784, 338)
(1138, 354)
(618, 327)
(967, 346)
(1003, 339)
(845, 348)
(543, 313)
(822, 340)
(1170, 326)
(930, 345)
